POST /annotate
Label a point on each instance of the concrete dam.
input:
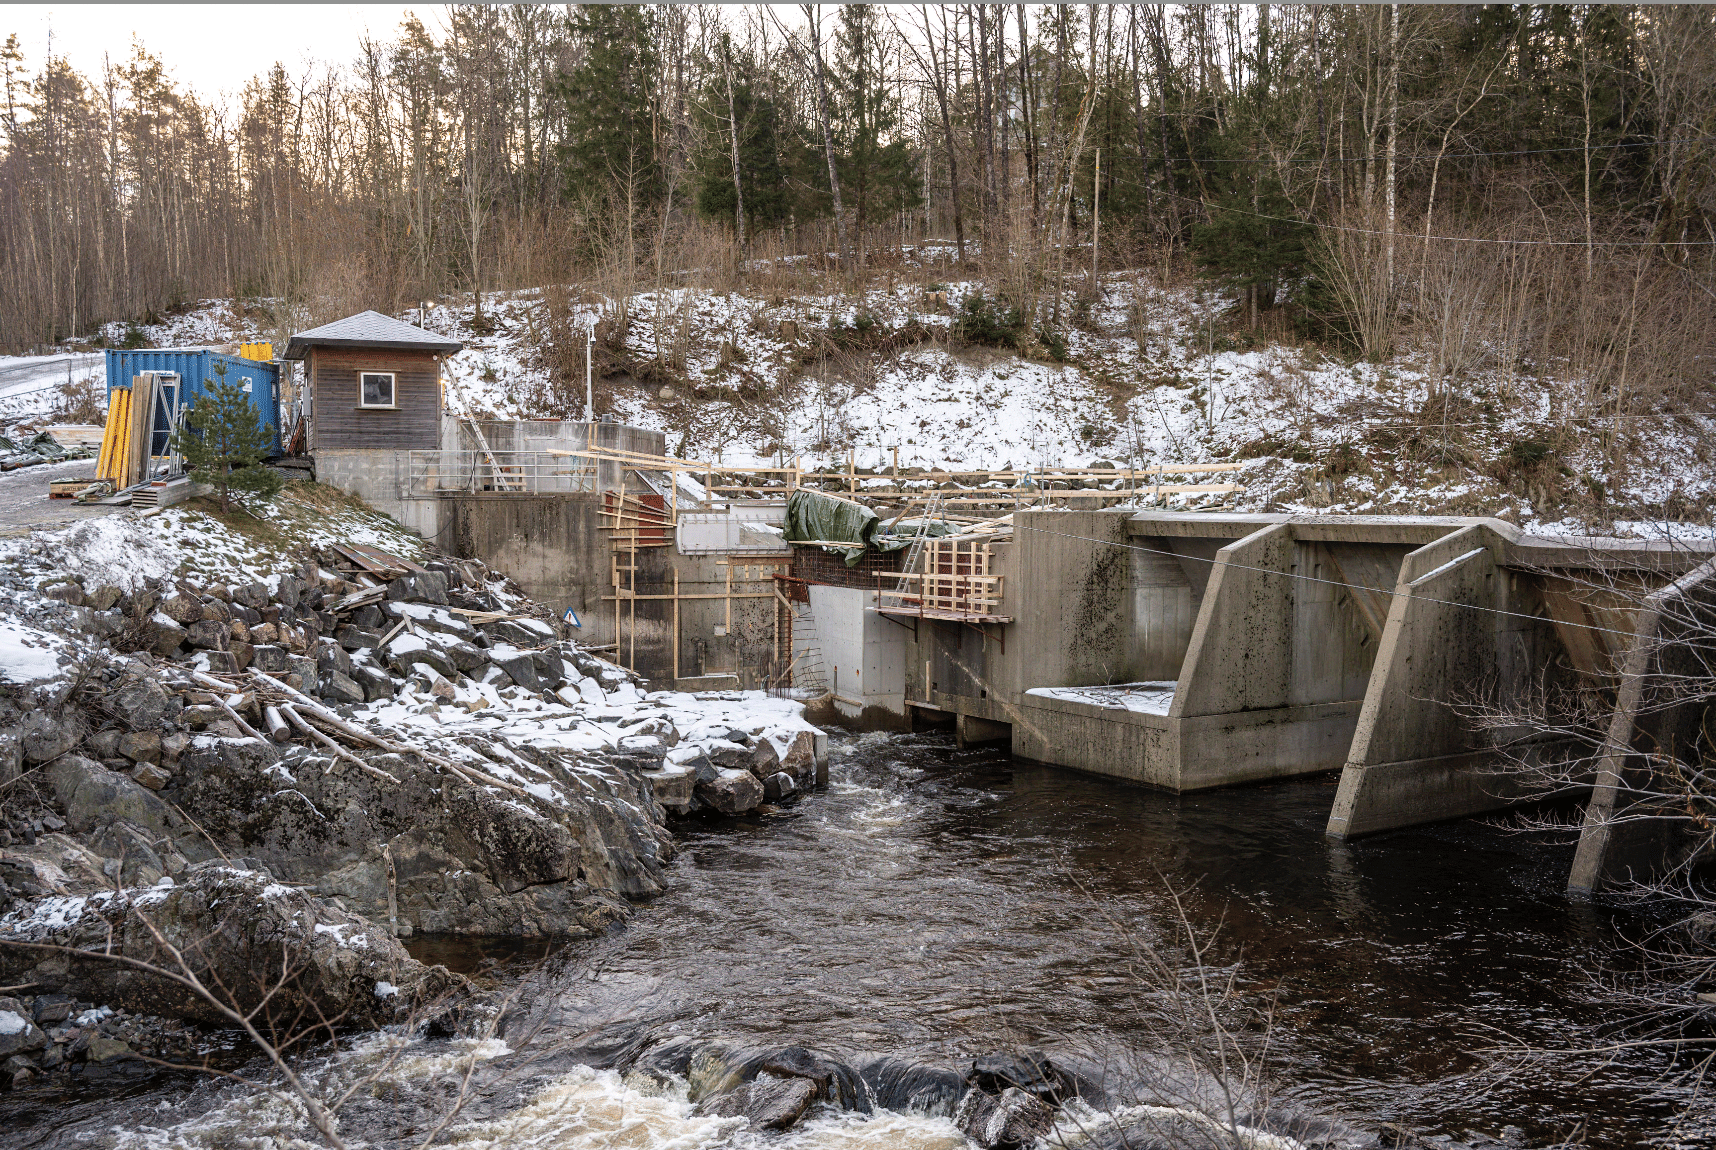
(1181, 650)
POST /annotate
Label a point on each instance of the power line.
(1408, 237)
(1317, 579)
(1449, 156)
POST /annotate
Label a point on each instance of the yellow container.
(263, 352)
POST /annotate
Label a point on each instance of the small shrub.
(992, 322)
(134, 337)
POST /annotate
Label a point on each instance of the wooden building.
(371, 383)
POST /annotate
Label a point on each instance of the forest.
(1513, 184)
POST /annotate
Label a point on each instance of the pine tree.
(224, 441)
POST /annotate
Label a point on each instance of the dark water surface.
(939, 903)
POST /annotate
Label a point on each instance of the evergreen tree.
(765, 149)
(610, 105)
(224, 441)
(876, 169)
(1254, 240)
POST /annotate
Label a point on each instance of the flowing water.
(936, 904)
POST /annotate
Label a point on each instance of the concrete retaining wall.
(1630, 833)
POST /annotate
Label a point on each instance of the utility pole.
(589, 378)
(1095, 216)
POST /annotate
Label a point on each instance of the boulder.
(18, 1034)
(764, 759)
(168, 637)
(103, 598)
(217, 612)
(268, 658)
(778, 786)
(520, 632)
(550, 671)
(672, 787)
(376, 683)
(732, 792)
(330, 656)
(141, 704)
(141, 746)
(354, 638)
(769, 1103)
(800, 758)
(1015, 1118)
(241, 652)
(1030, 1070)
(406, 650)
(466, 657)
(369, 617)
(288, 591)
(252, 595)
(309, 679)
(341, 688)
(151, 776)
(182, 609)
(730, 755)
(518, 665)
(239, 930)
(45, 736)
(419, 587)
(208, 635)
(173, 746)
(90, 795)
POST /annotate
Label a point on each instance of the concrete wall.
(1630, 833)
(381, 478)
(1414, 759)
(863, 655)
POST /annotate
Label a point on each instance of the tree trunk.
(813, 13)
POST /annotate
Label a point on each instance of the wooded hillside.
(1520, 185)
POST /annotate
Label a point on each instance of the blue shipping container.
(195, 369)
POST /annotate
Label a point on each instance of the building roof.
(369, 329)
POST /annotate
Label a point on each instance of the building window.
(375, 389)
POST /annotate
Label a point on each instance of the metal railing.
(517, 472)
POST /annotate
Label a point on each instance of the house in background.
(371, 395)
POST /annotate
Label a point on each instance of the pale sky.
(211, 48)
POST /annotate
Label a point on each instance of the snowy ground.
(1152, 375)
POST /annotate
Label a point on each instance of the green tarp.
(812, 516)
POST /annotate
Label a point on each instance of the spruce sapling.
(224, 441)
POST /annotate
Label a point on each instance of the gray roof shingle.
(369, 329)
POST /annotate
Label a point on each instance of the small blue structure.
(185, 374)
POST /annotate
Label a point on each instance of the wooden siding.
(339, 421)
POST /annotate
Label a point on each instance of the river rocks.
(731, 792)
(769, 1103)
(1013, 1119)
(239, 930)
(18, 1033)
(672, 787)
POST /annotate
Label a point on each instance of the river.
(936, 904)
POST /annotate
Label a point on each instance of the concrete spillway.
(1271, 647)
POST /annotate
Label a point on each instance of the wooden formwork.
(955, 581)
